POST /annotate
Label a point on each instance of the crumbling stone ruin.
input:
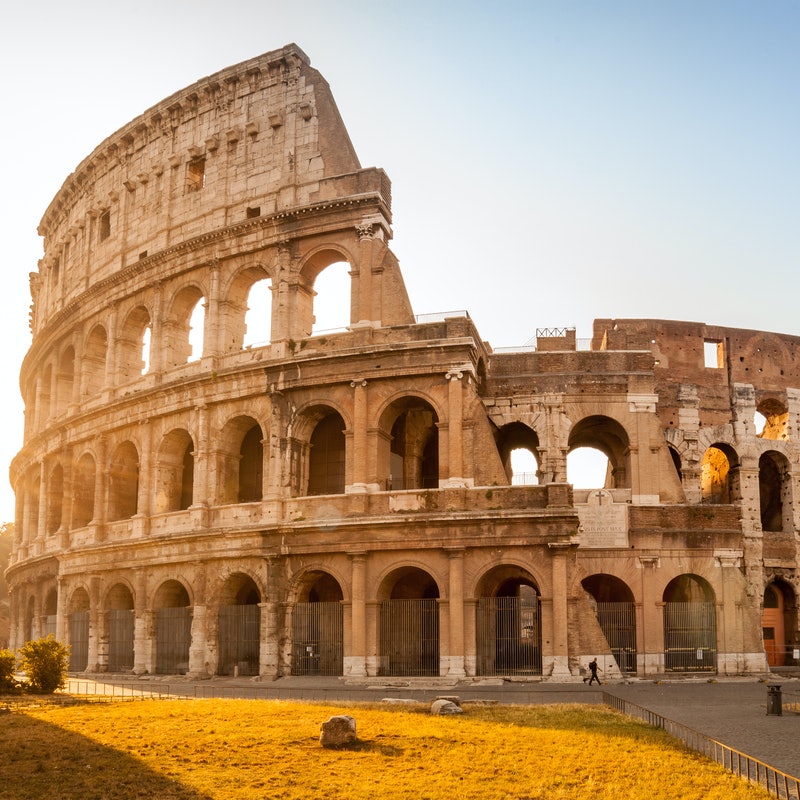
(344, 503)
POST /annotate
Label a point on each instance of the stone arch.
(241, 461)
(93, 363)
(175, 472)
(250, 294)
(177, 347)
(120, 622)
(83, 490)
(123, 482)
(317, 626)
(614, 607)
(690, 625)
(719, 474)
(775, 492)
(408, 622)
(408, 446)
(55, 498)
(608, 436)
(327, 456)
(239, 626)
(132, 360)
(508, 630)
(50, 612)
(78, 626)
(313, 264)
(173, 619)
(65, 379)
(779, 622)
(776, 418)
(517, 436)
(32, 492)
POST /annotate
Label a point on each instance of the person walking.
(593, 670)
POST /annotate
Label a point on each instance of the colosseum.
(345, 502)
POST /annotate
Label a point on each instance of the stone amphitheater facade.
(345, 503)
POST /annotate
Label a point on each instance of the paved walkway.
(732, 711)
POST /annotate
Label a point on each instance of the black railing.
(779, 784)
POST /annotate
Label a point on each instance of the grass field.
(248, 749)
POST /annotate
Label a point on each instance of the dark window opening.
(195, 175)
(105, 226)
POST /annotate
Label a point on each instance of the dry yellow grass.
(243, 750)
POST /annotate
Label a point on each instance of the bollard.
(774, 707)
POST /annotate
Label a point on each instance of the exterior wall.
(367, 467)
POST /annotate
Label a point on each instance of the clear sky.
(552, 162)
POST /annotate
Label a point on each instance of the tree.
(45, 662)
(8, 665)
(6, 541)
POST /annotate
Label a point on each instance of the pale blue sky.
(552, 162)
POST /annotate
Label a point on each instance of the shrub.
(45, 661)
(8, 664)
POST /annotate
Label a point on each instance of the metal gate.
(690, 637)
(120, 639)
(173, 638)
(317, 637)
(618, 623)
(239, 639)
(508, 633)
(409, 637)
(49, 626)
(78, 641)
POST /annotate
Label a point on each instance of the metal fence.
(239, 636)
(779, 784)
(618, 623)
(317, 639)
(690, 637)
(173, 638)
(120, 639)
(409, 637)
(508, 636)
(78, 640)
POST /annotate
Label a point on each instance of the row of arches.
(66, 493)
(164, 332)
(507, 628)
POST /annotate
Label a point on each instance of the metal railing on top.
(779, 784)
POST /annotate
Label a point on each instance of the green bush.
(8, 665)
(45, 662)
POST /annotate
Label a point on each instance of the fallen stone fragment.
(338, 731)
(444, 707)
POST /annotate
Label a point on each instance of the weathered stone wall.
(343, 502)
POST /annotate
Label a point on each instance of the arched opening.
(251, 466)
(175, 472)
(318, 626)
(50, 613)
(779, 624)
(120, 623)
(676, 462)
(65, 379)
(718, 473)
(258, 318)
(598, 454)
(774, 492)
(78, 620)
(771, 420)
(83, 491)
(690, 625)
(508, 623)
(93, 364)
(183, 332)
(614, 607)
(518, 447)
(409, 459)
(45, 395)
(326, 461)
(31, 515)
(55, 498)
(173, 629)
(123, 482)
(132, 360)
(239, 629)
(241, 462)
(332, 288)
(409, 624)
